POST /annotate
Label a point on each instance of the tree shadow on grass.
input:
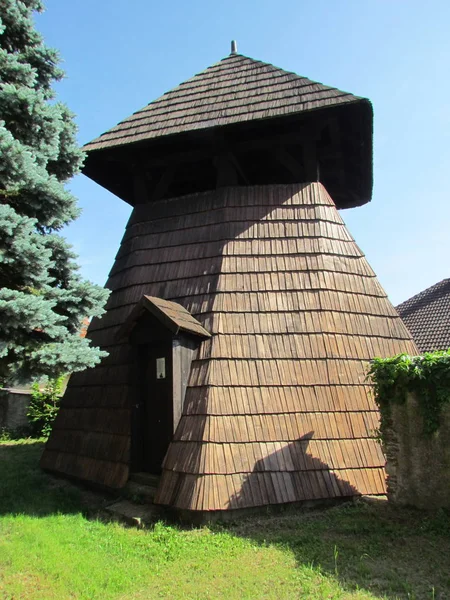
(26, 489)
(389, 551)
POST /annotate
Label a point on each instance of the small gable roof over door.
(170, 314)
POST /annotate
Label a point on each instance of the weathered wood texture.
(239, 122)
(234, 90)
(277, 408)
(183, 350)
(171, 315)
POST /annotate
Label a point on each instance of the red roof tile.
(427, 316)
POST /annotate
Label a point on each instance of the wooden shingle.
(277, 408)
(234, 90)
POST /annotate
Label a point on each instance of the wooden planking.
(203, 249)
(103, 375)
(271, 281)
(346, 442)
(193, 298)
(234, 90)
(178, 315)
(294, 311)
(241, 240)
(108, 396)
(170, 315)
(263, 110)
(306, 322)
(261, 457)
(240, 230)
(225, 492)
(104, 472)
(282, 427)
(267, 198)
(94, 419)
(164, 222)
(225, 372)
(112, 318)
(297, 345)
(138, 263)
(278, 99)
(101, 446)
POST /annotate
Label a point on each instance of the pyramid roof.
(234, 90)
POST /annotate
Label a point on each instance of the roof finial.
(233, 47)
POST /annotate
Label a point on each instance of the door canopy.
(170, 314)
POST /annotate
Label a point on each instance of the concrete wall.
(13, 409)
(418, 466)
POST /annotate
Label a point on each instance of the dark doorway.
(163, 337)
(153, 414)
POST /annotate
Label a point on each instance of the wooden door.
(153, 420)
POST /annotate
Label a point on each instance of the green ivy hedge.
(427, 375)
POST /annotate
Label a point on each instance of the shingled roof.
(234, 90)
(427, 316)
(174, 316)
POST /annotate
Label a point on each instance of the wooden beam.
(226, 171)
(215, 146)
(141, 192)
(239, 169)
(163, 184)
(334, 150)
(310, 164)
(290, 163)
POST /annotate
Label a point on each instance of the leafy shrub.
(44, 406)
(8, 434)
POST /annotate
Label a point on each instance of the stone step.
(136, 515)
(145, 479)
(138, 492)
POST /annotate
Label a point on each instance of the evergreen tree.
(43, 299)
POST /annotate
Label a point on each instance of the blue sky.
(119, 56)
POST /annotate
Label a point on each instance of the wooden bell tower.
(242, 315)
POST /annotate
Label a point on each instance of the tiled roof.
(234, 90)
(427, 316)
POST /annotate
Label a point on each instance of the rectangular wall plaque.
(160, 368)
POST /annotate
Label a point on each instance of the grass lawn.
(49, 549)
